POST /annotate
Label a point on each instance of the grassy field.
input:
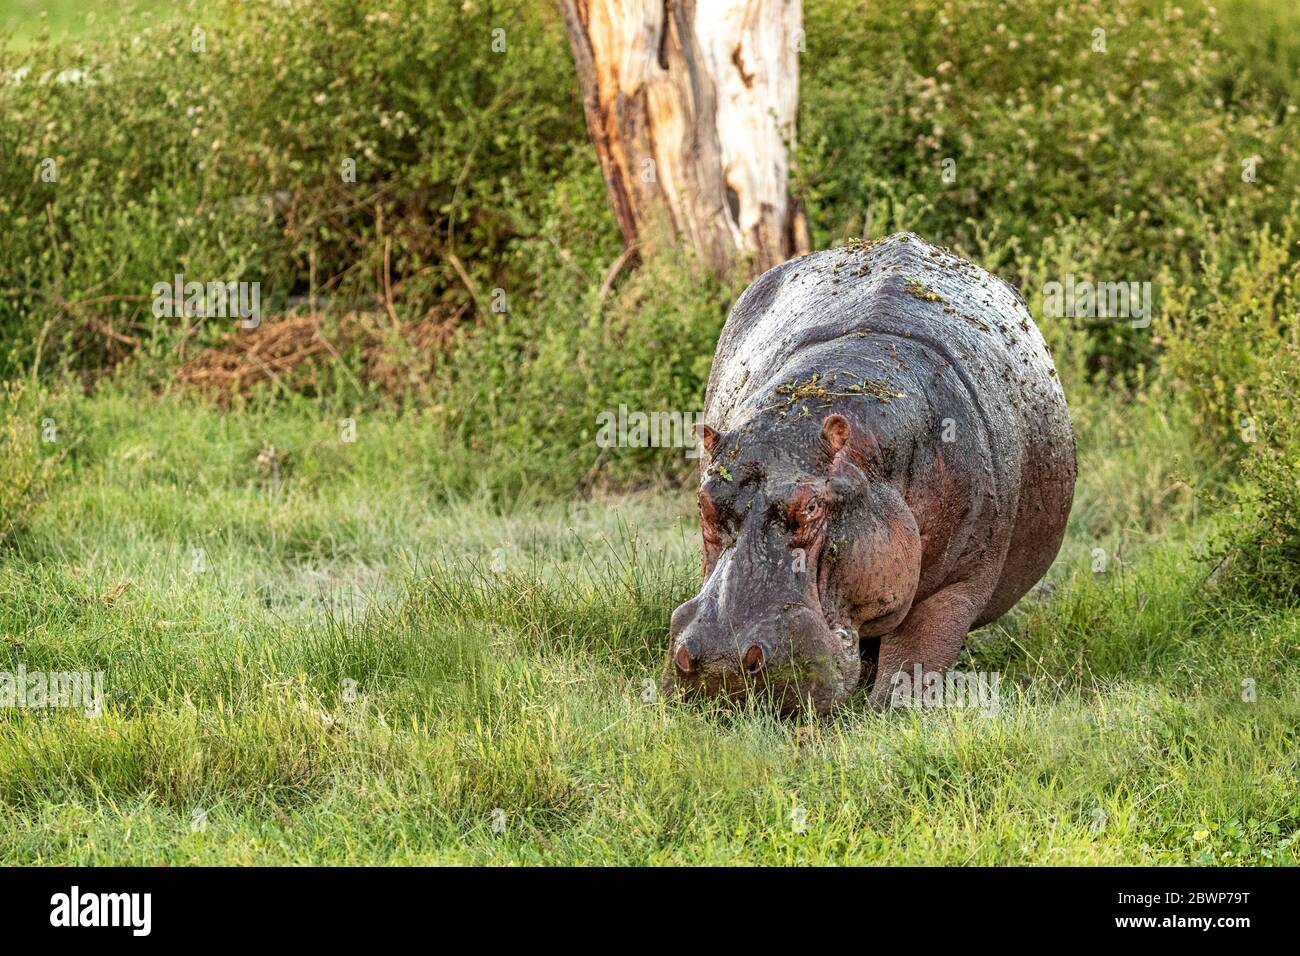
(358, 669)
(439, 642)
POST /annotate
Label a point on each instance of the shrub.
(1226, 324)
(228, 162)
(1047, 135)
(1230, 335)
(1259, 552)
(1043, 118)
(478, 205)
(227, 155)
(524, 391)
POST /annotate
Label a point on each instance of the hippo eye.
(804, 519)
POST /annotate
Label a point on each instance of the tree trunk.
(689, 104)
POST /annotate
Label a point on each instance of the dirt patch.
(306, 353)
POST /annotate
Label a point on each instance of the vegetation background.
(431, 644)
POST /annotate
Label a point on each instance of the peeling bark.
(689, 106)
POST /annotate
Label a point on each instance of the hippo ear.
(835, 434)
(708, 437)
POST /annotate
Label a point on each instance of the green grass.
(500, 654)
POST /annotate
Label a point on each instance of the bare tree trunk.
(690, 104)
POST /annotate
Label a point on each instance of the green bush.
(1222, 326)
(1049, 138)
(478, 198)
(222, 155)
(227, 163)
(1041, 124)
(1230, 339)
(1258, 551)
(525, 390)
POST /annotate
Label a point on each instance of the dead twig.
(464, 277)
(615, 267)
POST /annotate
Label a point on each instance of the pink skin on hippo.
(889, 463)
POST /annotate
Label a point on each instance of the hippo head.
(808, 559)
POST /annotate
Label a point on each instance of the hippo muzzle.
(802, 556)
(760, 626)
(791, 659)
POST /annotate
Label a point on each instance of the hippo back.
(901, 286)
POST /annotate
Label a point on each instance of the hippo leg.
(931, 635)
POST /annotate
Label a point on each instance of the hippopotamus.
(887, 463)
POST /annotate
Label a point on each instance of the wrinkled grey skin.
(863, 522)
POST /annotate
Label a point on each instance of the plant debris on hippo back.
(889, 463)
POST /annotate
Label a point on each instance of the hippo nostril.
(753, 660)
(683, 659)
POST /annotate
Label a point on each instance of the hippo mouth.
(869, 650)
(789, 686)
(785, 689)
(735, 695)
(780, 680)
(781, 696)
